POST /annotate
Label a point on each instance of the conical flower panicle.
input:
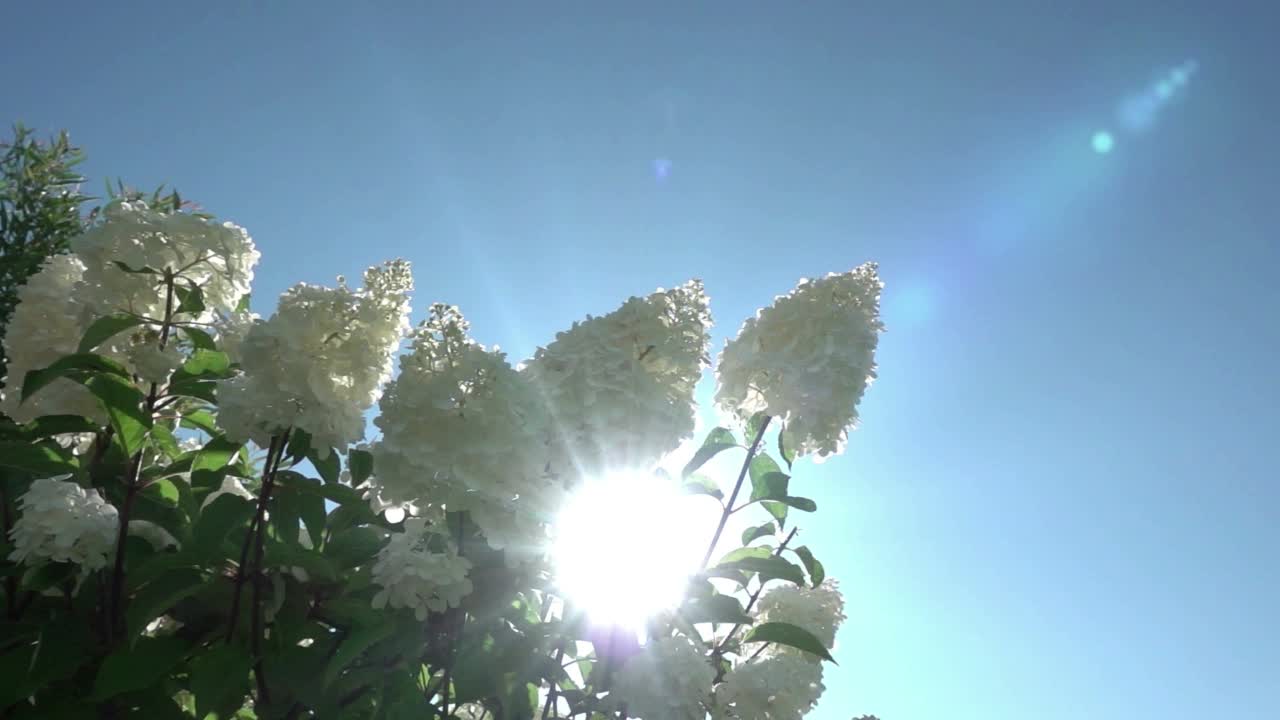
(619, 387)
(807, 360)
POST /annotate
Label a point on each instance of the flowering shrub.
(195, 527)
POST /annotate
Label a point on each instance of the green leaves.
(124, 405)
(355, 643)
(717, 441)
(190, 299)
(105, 328)
(217, 520)
(788, 634)
(160, 595)
(42, 459)
(360, 463)
(220, 680)
(769, 568)
(78, 367)
(138, 667)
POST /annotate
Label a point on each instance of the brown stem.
(114, 615)
(737, 487)
(273, 451)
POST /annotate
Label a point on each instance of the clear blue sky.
(1063, 503)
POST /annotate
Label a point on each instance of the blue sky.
(1063, 502)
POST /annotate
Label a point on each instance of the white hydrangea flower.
(77, 443)
(159, 538)
(46, 325)
(232, 330)
(620, 387)
(216, 257)
(669, 680)
(420, 569)
(461, 428)
(780, 687)
(319, 362)
(807, 359)
(819, 610)
(153, 363)
(62, 522)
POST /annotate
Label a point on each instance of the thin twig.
(241, 573)
(737, 487)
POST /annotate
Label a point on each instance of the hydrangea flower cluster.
(62, 522)
(319, 362)
(807, 359)
(620, 387)
(216, 257)
(59, 303)
(669, 680)
(778, 687)
(420, 569)
(462, 429)
(46, 325)
(819, 610)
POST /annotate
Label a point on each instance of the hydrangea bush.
(194, 525)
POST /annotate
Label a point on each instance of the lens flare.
(625, 547)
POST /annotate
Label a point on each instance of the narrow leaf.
(769, 568)
(105, 328)
(43, 459)
(138, 667)
(355, 643)
(360, 463)
(752, 534)
(123, 403)
(788, 634)
(717, 441)
(817, 573)
(699, 484)
(76, 367)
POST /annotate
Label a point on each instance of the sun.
(625, 547)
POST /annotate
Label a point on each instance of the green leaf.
(216, 521)
(329, 467)
(135, 271)
(700, 484)
(355, 546)
(190, 299)
(360, 463)
(160, 595)
(752, 534)
(355, 643)
(215, 454)
(243, 305)
(44, 459)
(200, 339)
(769, 568)
(318, 567)
(817, 573)
(75, 367)
(800, 503)
(164, 441)
(139, 667)
(309, 507)
(203, 364)
(786, 447)
(768, 482)
(755, 423)
(717, 441)
(715, 609)
(220, 679)
(200, 420)
(43, 427)
(123, 403)
(744, 552)
(105, 328)
(788, 634)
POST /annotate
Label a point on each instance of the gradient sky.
(1063, 501)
